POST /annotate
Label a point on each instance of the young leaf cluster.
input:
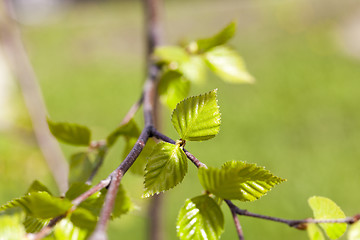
(184, 64)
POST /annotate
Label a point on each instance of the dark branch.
(236, 222)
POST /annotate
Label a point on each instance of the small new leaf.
(197, 118)
(173, 88)
(169, 54)
(314, 232)
(166, 167)
(324, 208)
(32, 224)
(238, 180)
(11, 228)
(65, 229)
(200, 218)
(220, 38)
(130, 129)
(228, 65)
(37, 186)
(194, 69)
(39, 205)
(70, 133)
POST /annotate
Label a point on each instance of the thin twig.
(236, 222)
(102, 151)
(298, 224)
(134, 108)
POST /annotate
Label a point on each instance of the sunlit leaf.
(33, 224)
(194, 69)
(220, 38)
(70, 133)
(173, 88)
(130, 129)
(238, 180)
(200, 218)
(228, 65)
(166, 167)
(39, 205)
(11, 228)
(65, 230)
(170, 54)
(37, 186)
(314, 232)
(354, 231)
(324, 208)
(80, 166)
(197, 118)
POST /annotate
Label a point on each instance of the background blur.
(301, 119)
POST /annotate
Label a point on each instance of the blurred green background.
(301, 119)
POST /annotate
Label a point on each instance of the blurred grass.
(301, 119)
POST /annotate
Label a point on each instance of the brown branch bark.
(21, 66)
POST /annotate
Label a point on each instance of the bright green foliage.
(314, 232)
(80, 167)
(238, 180)
(138, 167)
(173, 88)
(354, 231)
(130, 129)
(32, 224)
(166, 167)
(197, 118)
(84, 219)
(37, 186)
(70, 133)
(11, 228)
(171, 54)
(324, 208)
(76, 189)
(65, 230)
(39, 205)
(204, 45)
(200, 218)
(193, 69)
(228, 65)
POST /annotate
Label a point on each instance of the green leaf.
(138, 167)
(197, 118)
(70, 133)
(84, 219)
(200, 218)
(80, 166)
(76, 189)
(166, 167)
(65, 230)
(193, 69)
(354, 231)
(220, 38)
(324, 208)
(11, 228)
(170, 54)
(238, 180)
(314, 232)
(228, 65)
(173, 88)
(39, 205)
(129, 129)
(37, 186)
(33, 225)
